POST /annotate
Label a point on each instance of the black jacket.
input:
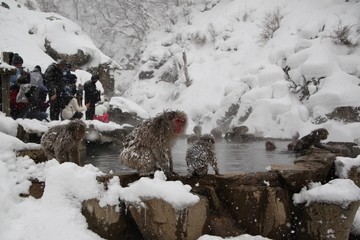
(92, 95)
(53, 80)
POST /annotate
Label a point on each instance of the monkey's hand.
(216, 170)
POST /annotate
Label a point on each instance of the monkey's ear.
(170, 115)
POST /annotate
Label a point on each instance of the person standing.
(55, 84)
(37, 80)
(21, 76)
(18, 105)
(92, 96)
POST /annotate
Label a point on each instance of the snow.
(338, 191)
(128, 106)
(160, 188)
(57, 215)
(241, 237)
(229, 67)
(344, 165)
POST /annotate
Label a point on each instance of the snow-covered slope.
(25, 31)
(228, 65)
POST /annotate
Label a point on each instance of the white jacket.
(70, 109)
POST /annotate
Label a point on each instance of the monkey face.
(321, 133)
(179, 124)
(324, 134)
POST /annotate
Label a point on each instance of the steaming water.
(232, 157)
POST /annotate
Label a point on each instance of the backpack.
(64, 100)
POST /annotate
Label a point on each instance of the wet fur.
(200, 155)
(62, 142)
(312, 139)
(148, 146)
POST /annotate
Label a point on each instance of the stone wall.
(232, 204)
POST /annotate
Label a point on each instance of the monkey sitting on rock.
(148, 146)
(62, 142)
(312, 139)
(200, 155)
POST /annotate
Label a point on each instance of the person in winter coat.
(55, 84)
(92, 96)
(72, 110)
(20, 76)
(36, 78)
(18, 106)
(34, 109)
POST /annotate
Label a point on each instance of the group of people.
(32, 93)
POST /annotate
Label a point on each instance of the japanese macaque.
(197, 130)
(148, 146)
(200, 155)
(294, 140)
(237, 134)
(240, 129)
(62, 142)
(194, 137)
(312, 139)
(270, 146)
(216, 132)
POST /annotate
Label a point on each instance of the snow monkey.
(148, 146)
(294, 140)
(312, 139)
(200, 155)
(270, 145)
(62, 142)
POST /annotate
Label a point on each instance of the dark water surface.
(232, 157)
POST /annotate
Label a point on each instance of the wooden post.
(5, 84)
(187, 79)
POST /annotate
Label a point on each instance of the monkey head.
(178, 120)
(197, 129)
(216, 132)
(240, 129)
(77, 128)
(207, 138)
(320, 133)
(270, 146)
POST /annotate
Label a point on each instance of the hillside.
(276, 66)
(276, 86)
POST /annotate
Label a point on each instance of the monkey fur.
(200, 155)
(312, 139)
(270, 145)
(148, 146)
(194, 137)
(62, 142)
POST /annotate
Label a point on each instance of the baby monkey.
(200, 155)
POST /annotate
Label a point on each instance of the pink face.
(179, 125)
